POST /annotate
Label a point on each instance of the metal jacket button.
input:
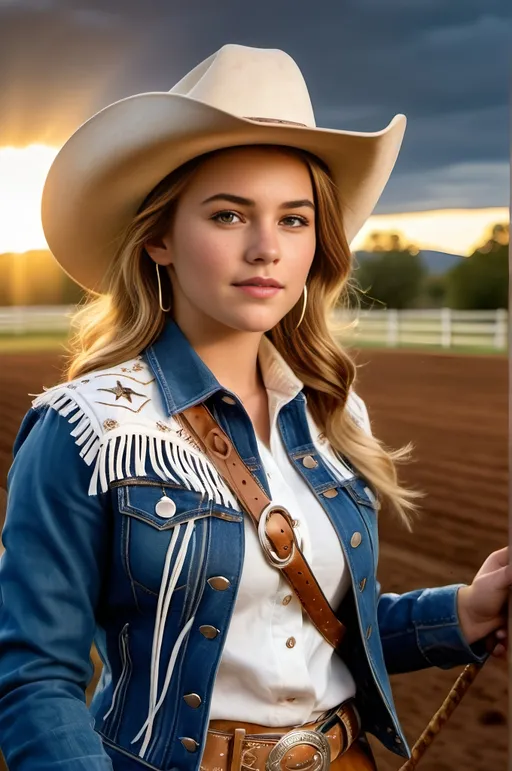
(190, 744)
(165, 507)
(210, 632)
(309, 462)
(219, 583)
(356, 539)
(228, 400)
(193, 700)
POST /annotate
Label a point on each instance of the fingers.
(496, 560)
(499, 643)
(503, 576)
(496, 578)
(501, 556)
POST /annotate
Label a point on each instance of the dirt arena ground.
(454, 409)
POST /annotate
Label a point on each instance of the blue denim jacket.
(81, 566)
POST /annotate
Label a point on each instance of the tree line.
(393, 275)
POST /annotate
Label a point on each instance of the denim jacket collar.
(185, 380)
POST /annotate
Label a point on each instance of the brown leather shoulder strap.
(274, 523)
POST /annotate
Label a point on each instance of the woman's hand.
(482, 606)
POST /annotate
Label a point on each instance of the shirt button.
(228, 400)
(291, 699)
(356, 540)
(287, 599)
(290, 643)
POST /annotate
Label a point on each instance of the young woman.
(201, 492)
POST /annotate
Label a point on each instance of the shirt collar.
(185, 380)
(277, 375)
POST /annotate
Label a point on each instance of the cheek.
(203, 253)
(300, 254)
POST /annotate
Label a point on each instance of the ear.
(159, 250)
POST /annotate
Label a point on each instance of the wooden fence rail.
(440, 327)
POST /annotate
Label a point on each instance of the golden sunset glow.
(22, 175)
(23, 171)
(457, 231)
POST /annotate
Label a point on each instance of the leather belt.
(236, 746)
(274, 524)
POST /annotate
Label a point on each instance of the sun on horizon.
(23, 172)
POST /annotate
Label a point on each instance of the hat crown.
(263, 83)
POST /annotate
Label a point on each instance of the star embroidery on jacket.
(122, 392)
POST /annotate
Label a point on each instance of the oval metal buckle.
(272, 557)
(293, 739)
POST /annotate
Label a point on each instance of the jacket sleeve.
(421, 629)
(55, 539)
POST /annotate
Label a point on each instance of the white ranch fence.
(438, 327)
(441, 327)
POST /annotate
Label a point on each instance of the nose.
(264, 246)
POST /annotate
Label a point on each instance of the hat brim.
(106, 169)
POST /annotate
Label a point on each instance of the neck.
(230, 354)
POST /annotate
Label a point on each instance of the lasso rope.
(459, 689)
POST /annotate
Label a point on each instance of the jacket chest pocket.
(163, 531)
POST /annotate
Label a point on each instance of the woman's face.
(247, 214)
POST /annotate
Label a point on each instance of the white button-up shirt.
(276, 668)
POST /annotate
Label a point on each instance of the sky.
(444, 64)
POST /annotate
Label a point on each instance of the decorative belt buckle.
(322, 759)
(270, 554)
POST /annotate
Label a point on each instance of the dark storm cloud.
(445, 65)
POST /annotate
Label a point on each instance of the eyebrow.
(247, 201)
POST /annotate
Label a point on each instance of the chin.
(255, 323)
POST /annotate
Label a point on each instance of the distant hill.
(434, 262)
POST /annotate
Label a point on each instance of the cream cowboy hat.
(238, 96)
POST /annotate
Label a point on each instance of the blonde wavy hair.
(117, 325)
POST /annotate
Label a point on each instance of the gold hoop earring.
(165, 310)
(304, 303)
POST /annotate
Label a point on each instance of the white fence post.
(500, 334)
(19, 319)
(392, 328)
(446, 327)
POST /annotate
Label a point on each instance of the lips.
(260, 281)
